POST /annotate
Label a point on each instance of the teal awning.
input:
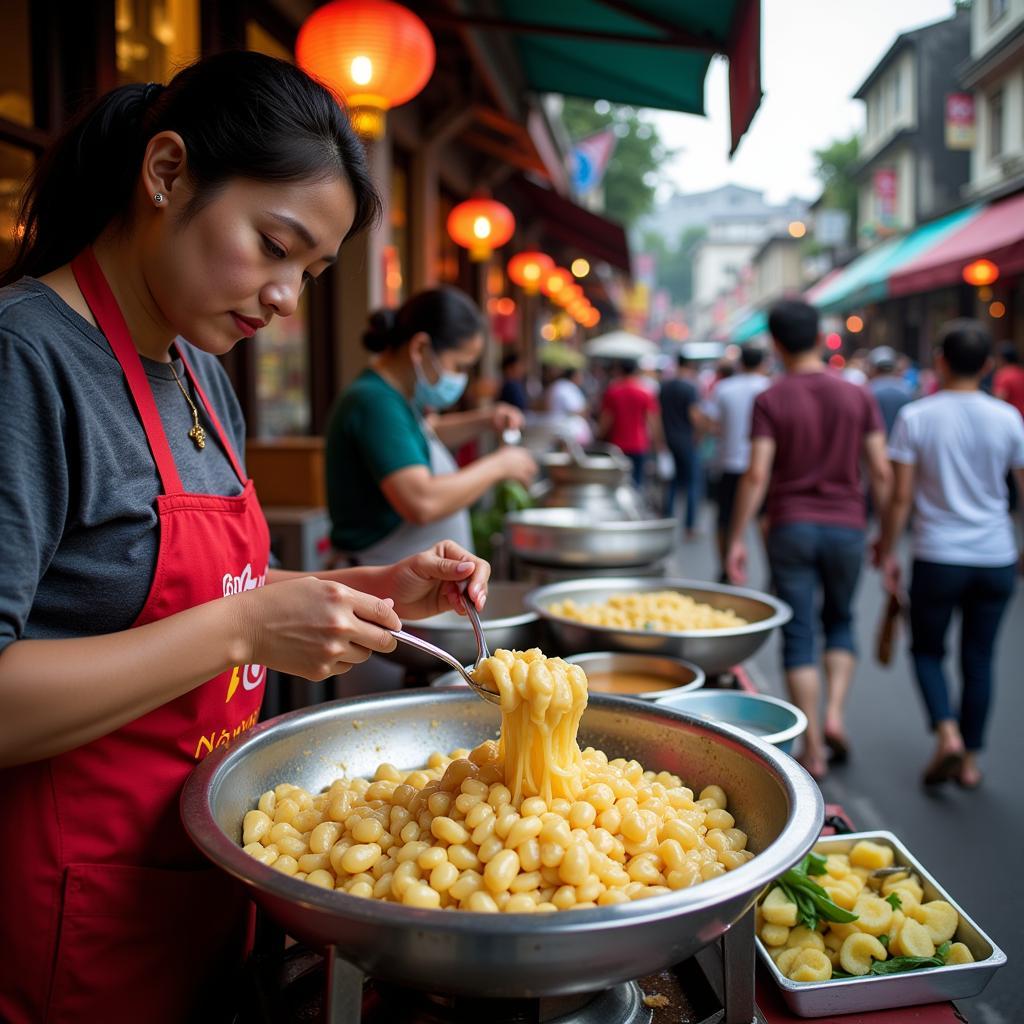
(866, 279)
(755, 324)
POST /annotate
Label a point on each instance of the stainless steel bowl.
(574, 537)
(502, 955)
(607, 468)
(505, 618)
(715, 650)
(680, 676)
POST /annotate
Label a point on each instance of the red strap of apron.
(214, 421)
(101, 301)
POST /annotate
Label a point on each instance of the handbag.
(888, 628)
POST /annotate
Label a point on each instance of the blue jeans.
(981, 594)
(688, 478)
(806, 558)
(639, 461)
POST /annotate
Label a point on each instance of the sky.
(815, 54)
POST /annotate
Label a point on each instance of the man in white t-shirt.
(728, 411)
(568, 405)
(952, 453)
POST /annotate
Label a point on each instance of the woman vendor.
(392, 484)
(138, 614)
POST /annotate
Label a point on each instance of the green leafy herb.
(894, 901)
(884, 940)
(812, 902)
(898, 964)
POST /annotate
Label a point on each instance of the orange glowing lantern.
(481, 225)
(555, 283)
(980, 273)
(570, 294)
(527, 269)
(592, 318)
(375, 53)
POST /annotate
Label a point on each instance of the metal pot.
(505, 618)
(715, 650)
(576, 537)
(501, 955)
(607, 467)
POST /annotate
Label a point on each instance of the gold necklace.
(197, 433)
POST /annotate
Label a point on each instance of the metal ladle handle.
(428, 648)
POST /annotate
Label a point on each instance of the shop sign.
(885, 195)
(960, 126)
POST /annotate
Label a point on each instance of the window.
(155, 38)
(897, 92)
(995, 123)
(996, 9)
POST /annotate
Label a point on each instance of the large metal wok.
(714, 650)
(501, 955)
(570, 537)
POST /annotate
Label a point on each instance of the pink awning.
(821, 284)
(997, 234)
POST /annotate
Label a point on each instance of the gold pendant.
(198, 436)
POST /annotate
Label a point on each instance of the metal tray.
(932, 985)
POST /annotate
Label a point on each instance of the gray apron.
(412, 538)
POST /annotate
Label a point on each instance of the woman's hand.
(736, 562)
(431, 582)
(314, 628)
(516, 464)
(506, 417)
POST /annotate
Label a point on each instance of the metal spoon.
(448, 659)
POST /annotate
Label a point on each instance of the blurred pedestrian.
(680, 404)
(810, 432)
(727, 411)
(513, 387)
(629, 417)
(951, 454)
(567, 404)
(855, 370)
(891, 391)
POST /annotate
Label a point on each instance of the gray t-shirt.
(78, 485)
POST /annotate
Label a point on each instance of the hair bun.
(380, 333)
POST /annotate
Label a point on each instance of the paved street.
(970, 841)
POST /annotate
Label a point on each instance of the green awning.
(866, 279)
(649, 53)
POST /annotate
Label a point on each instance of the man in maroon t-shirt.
(809, 434)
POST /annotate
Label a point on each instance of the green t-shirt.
(373, 432)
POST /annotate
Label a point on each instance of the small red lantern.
(375, 53)
(481, 225)
(980, 273)
(527, 269)
(554, 283)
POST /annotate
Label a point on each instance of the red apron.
(107, 911)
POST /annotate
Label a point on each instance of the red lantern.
(981, 273)
(554, 283)
(527, 269)
(481, 225)
(375, 53)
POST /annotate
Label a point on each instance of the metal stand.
(729, 967)
(343, 996)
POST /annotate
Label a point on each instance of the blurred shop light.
(580, 267)
(985, 294)
(481, 226)
(505, 306)
(732, 351)
(375, 53)
(555, 283)
(797, 228)
(527, 269)
(980, 272)
(854, 324)
(548, 332)
(837, 362)
(997, 310)
(833, 341)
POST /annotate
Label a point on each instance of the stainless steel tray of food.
(714, 650)
(575, 537)
(505, 618)
(501, 955)
(909, 988)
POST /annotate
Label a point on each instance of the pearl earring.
(158, 198)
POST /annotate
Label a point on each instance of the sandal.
(944, 769)
(838, 747)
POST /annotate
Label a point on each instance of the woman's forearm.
(56, 695)
(457, 428)
(422, 498)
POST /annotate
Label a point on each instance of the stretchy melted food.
(530, 824)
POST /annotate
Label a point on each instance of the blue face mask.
(444, 393)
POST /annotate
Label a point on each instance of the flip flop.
(838, 747)
(959, 780)
(947, 768)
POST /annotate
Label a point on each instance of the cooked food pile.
(660, 611)
(530, 824)
(824, 919)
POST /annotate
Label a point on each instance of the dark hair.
(510, 359)
(683, 361)
(1008, 353)
(240, 114)
(966, 346)
(627, 367)
(794, 325)
(751, 357)
(449, 316)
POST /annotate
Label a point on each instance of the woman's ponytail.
(83, 182)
